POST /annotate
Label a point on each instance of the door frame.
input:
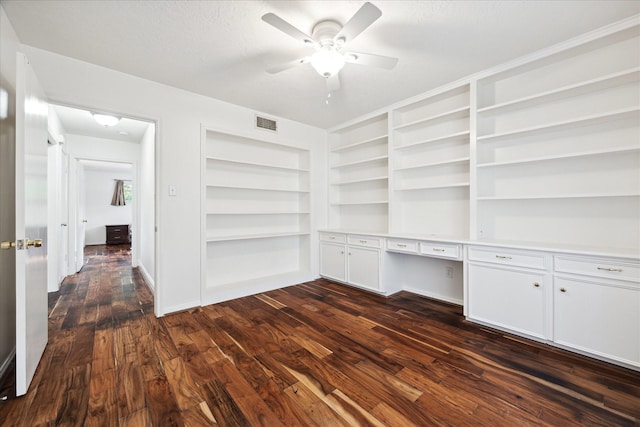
(157, 278)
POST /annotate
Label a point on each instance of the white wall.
(179, 115)
(146, 220)
(98, 191)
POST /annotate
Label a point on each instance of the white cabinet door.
(600, 318)
(333, 264)
(364, 267)
(507, 298)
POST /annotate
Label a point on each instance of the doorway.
(97, 156)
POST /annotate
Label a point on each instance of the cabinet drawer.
(407, 246)
(368, 241)
(440, 250)
(598, 268)
(333, 237)
(508, 257)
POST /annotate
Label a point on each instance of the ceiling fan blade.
(379, 61)
(290, 64)
(333, 83)
(285, 27)
(359, 22)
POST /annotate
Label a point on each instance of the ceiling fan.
(329, 39)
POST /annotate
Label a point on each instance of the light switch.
(172, 190)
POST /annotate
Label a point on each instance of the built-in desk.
(584, 300)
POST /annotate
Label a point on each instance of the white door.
(31, 224)
(81, 217)
(63, 234)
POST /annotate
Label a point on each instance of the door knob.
(33, 243)
(7, 244)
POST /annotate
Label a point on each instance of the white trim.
(147, 278)
(181, 307)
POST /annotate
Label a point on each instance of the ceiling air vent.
(268, 124)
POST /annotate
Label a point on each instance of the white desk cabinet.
(364, 267)
(352, 259)
(333, 263)
(509, 288)
(596, 314)
(508, 298)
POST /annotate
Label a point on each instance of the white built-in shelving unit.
(256, 212)
(430, 165)
(359, 176)
(558, 147)
(544, 150)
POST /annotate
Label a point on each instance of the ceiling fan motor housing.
(325, 31)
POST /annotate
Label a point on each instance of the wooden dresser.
(117, 234)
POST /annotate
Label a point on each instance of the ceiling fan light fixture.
(105, 119)
(327, 61)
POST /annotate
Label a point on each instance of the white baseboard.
(440, 297)
(147, 278)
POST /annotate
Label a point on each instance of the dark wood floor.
(313, 354)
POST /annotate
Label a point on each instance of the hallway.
(95, 310)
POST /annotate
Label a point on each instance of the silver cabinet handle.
(363, 241)
(332, 237)
(401, 245)
(536, 284)
(563, 290)
(503, 257)
(617, 270)
(438, 250)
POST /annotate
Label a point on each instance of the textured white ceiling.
(80, 122)
(222, 48)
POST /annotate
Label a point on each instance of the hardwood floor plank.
(161, 403)
(184, 388)
(314, 354)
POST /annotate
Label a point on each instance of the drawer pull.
(563, 290)
(342, 252)
(401, 245)
(438, 250)
(617, 270)
(363, 241)
(332, 237)
(536, 284)
(503, 257)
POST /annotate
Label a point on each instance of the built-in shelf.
(254, 236)
(255, 211)
(256, 188)
(434, 187)
(259, 213)
(619, 150)
(625, 76)
(450, 137)
(611, 115)
(455, 113)
(458, 160)
(360, 162)
(375, 140)
(256, 164)
(371, 202)
(359, 181)
(560, 196)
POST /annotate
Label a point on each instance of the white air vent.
(268, 124)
